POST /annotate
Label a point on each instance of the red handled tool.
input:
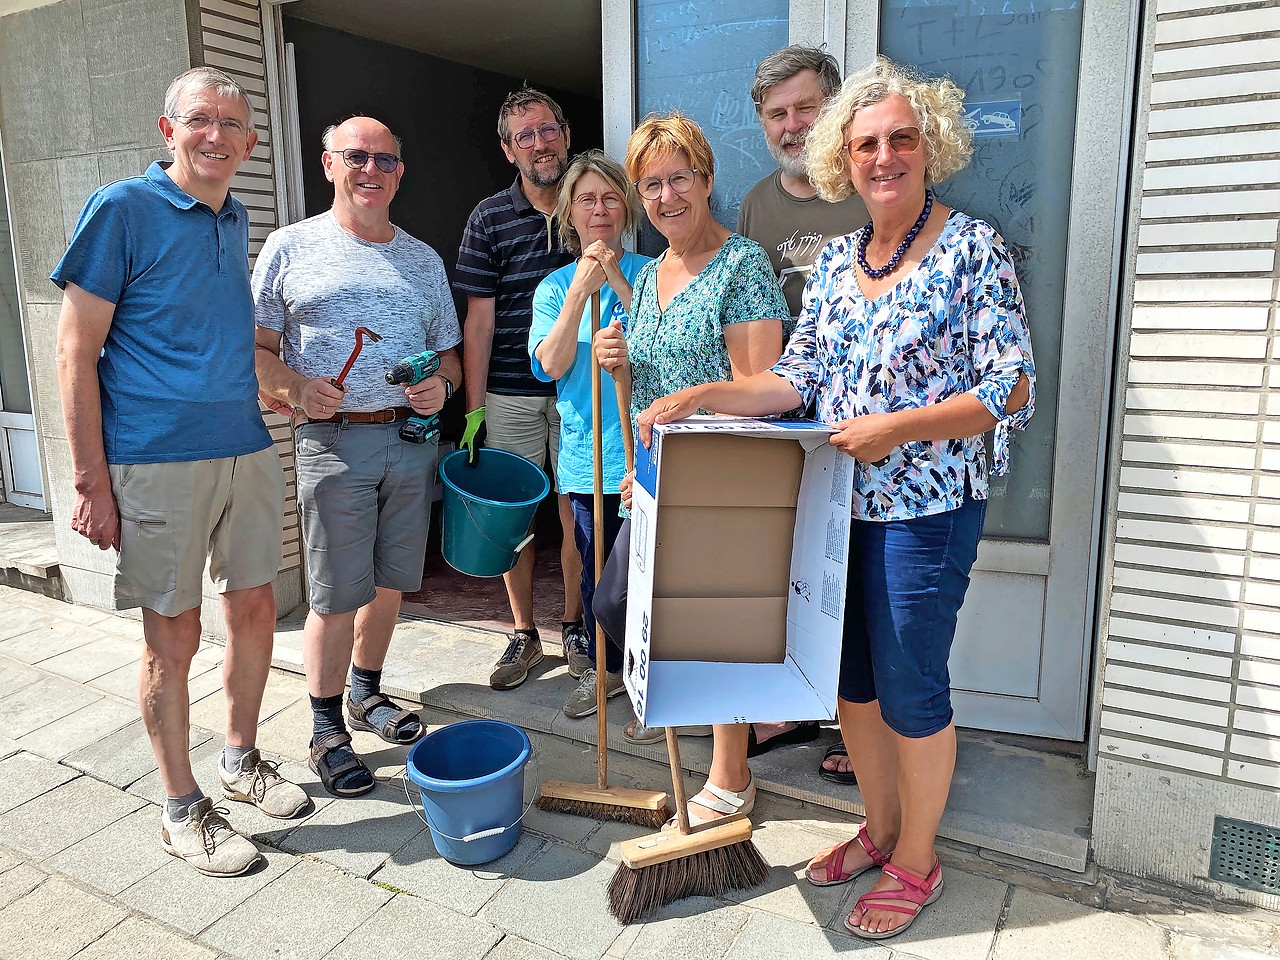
(361, 334)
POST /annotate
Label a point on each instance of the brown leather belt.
(373, 416)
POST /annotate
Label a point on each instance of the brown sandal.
(329, 773)
(358, 713)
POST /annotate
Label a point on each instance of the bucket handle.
(505, 549)
(481, 834)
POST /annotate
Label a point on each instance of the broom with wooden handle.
(702, 861)
(647, 808)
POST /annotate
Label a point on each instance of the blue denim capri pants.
(907, 580)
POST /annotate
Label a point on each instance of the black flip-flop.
(804, 732)
(836, 776)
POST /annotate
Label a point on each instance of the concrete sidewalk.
(82, 872)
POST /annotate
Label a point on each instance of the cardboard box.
(739, 543)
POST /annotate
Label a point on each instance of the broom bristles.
(635, 892)
(652, 819)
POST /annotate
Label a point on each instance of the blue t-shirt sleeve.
(548, 300)
(98, 258)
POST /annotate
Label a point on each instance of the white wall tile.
(1260, 646)
(1270, 459)
(1212, 117)
(1198, 346)
(1190, 206)
(1259, 620)
(1196, 147)
(1258, 773)
(1266, 541)
(1204, 289)
(1206, 261)
(1179, 59)
(1184, 480)
(1149, 727)
(1269, 485)
(1192, 508)
(1217, 429)
(1259, 748)
(1142, 702)
(1267, 724)
(1153, 581)
(1183, 29)
(1262, 698)
(1260, 671)
(1142, 654)
(1211, 173)
(1194, 534)
(1263, 593)
(1182, 635)
(1214, 455)
(1216, 86)
(1202, 401)
(1197, 372)
(1113, 746)
(1206, 232)
(1172, 609)
(1204, 561)
(1271, 431)
(1267, 514)
(1264, 568)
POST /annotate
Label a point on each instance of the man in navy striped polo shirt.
(509, 246)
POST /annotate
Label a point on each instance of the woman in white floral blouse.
(914, 344)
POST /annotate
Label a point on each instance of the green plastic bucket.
(489, 509)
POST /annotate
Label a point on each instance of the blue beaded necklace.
(892, 265)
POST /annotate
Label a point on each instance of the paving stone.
(288, 731)
(1039, 926)
(118, 855)
(15, 676)
(8, 860)
(100, 655)
(305, 913)
(409, 925)
(55, 920)
(960, 925)
(696, 928)
(419, 869)
(125, 756)
(1189, 948)
(55, 820)
(767, 935)
(211, 712)
(513, 948)
(42, 701)
(42, 638)
(785, 891)
(18, 882)
(139, 939)
(87, 725)
(359, 833)
(189, 901)
(561, 882)
(121, 683)
(24, 776)
(8, 747)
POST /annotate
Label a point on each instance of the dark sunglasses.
(356, 159)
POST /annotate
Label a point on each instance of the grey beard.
(540, 179)
(791, 166)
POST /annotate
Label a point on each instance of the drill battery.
(411, 370)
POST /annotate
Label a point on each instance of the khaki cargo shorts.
(528, 426)
(176, 516)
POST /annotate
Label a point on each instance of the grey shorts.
(528, 426)
(176, 516)
(364, 496)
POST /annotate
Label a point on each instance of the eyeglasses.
(587, 202)
(549, 132)
(356, 159)
(902, 141)
(199, 123)
(681, 182)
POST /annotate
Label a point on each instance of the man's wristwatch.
(448, 387)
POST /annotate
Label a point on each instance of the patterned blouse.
(682, 345)
(955, 324)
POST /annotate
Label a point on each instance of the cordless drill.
(411, 370)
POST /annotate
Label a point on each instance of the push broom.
(646, 808)
(702, 861)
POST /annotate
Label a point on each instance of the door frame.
(1071, 561)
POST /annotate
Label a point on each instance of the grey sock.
(231, 757)
(175, 808)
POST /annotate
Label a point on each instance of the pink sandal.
(920, 891)
(836, 860)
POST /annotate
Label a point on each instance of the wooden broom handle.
(597, 538)
(677, 781)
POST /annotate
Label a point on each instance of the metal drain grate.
(1246, 855)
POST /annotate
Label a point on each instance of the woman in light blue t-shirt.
(597, 205)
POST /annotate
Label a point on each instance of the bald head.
(337, 135)
(362, 161)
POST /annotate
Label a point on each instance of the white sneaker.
(582, 701)
(207, 841)
(259, 782)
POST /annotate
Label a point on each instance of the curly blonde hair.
(609, 170)
(937, 104)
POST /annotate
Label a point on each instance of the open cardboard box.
(739, 541)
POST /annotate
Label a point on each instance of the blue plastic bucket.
(489, 509)
(471, 777)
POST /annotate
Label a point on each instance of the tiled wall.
(1192, 657)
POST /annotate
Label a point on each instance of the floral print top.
(682, 345)
(955, 324)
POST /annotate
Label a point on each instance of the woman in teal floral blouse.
(708, 308)
(914, 344)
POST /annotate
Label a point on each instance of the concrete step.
(28, 551)
(1011, 797)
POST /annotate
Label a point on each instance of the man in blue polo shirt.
(508, 247)
(172, 463)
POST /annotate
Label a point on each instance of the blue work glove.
(473, 435)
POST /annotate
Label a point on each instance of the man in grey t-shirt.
(363, 490)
